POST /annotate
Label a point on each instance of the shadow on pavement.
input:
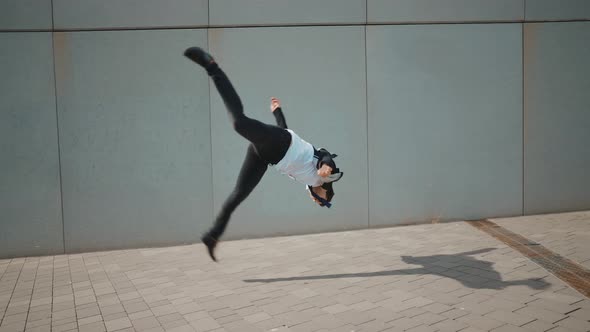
(469, 271)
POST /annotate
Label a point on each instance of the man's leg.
(271, 142)
(252, 171)
(253, 130)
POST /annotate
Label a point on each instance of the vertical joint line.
(367, 128)
(522, 63)
(52, 18)
(367, 117)
(59, 164)
(210, 126)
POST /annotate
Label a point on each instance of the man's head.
(329, 189)
(323, 194)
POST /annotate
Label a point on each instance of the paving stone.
(118, 324)
(430, 318)
(455, 313)
(422, 328)
(112, 309)
(41, 328)
(509, 328)
(89, 320)
(205, 324)
(145, 323)
(538, 325)
(257, 317)
(481, 322)
(64, 327)
(196, 316)
(141, 314)
(63, 321)
(92, 311)
(510, 318)
(137, 306)
(405, 323)
(437, 308)
(540, 314)
(114, 316)
(575, 324)
(14, 327)
(182, 328)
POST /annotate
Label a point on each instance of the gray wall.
(442, 143)
(557, 117)
(111, 139)
(30, 208)
(134, 138)
(25, 15)
(411, 11)
(286, 12)
(105, 14)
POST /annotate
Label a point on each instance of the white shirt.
(299, 163)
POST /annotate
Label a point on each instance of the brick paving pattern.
(440, 277)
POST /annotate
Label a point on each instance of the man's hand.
(325, 170)
(274, 104)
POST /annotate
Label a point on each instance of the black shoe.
(199, 56)
(211, 243)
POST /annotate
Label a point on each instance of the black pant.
(268, 146)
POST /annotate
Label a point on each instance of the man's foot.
(211, 243)
(199, 56)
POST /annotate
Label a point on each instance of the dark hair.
(329, 191)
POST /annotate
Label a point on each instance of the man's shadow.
(462, 267)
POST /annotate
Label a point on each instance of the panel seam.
(367, 125)
(241, 26)
(522, 35)
(61, 192)
(210, 128)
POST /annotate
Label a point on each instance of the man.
(269, 145)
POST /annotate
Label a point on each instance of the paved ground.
(571, 239)
(441, 277)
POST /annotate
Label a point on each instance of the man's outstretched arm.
(275, 107)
